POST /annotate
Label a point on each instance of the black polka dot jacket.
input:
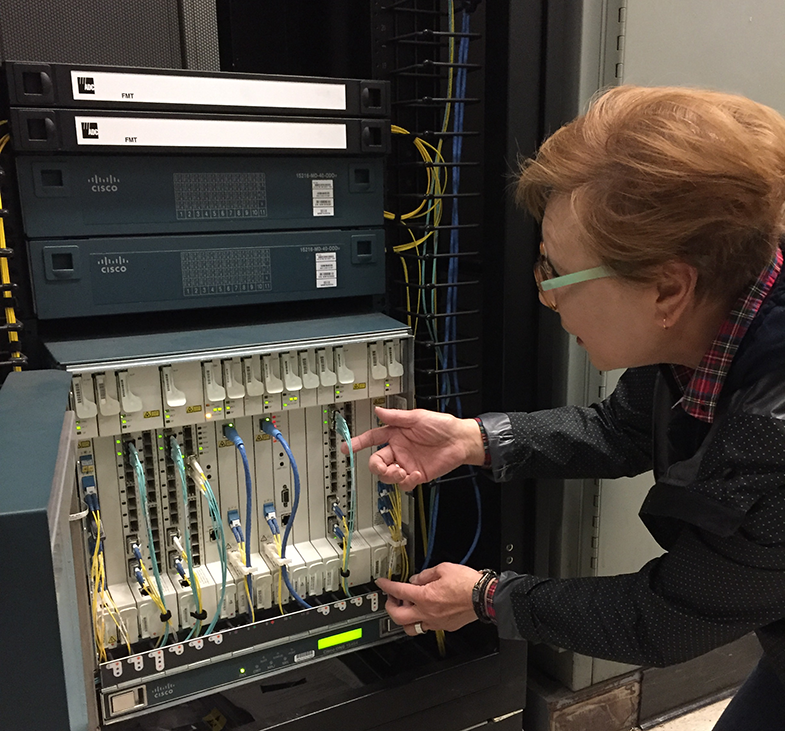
(717, 508)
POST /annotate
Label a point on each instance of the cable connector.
(338, 533)
(139, 576)
(232, 435)
(136, 551)
(271, 554)
(337, 510)
(237, 561)
(233, 516)
(178, 564)
(267, 426)
(177, 544)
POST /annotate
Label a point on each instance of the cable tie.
(345, 574)
(166, 617)
(6, 252)
(201, 616)
(74, 517)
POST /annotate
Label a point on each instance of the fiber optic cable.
(343, 430)
(5, 277)
(98, 582)
(205, 488)
(447, 357)
(177, 458)
(269, 428)
(141, 486)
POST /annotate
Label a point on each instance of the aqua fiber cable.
(343, 430)
(215, 516)
(177, 458)
(141, 486)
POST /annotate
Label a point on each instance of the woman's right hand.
(419, 445)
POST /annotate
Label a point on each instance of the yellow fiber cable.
(5, 276)
(241, 547)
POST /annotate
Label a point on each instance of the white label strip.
(157, 132)
(326, 270)
(107, 86)
(322, 196)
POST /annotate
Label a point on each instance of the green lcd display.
(333, 640)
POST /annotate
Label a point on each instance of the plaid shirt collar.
(701, 386)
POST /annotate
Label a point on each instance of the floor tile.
(701, 720)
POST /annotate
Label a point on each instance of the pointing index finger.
(371, 438)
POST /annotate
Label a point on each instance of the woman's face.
(617, 322)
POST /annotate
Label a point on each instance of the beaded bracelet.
(485, 443)
(480, 595)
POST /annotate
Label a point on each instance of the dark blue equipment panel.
(113, 275)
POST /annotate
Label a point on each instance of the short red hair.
(662, 173)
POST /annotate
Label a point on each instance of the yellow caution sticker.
(152, 414)
(360, 386)
(193, 409)
(215, 720)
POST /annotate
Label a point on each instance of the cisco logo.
(113, 265)
(107, 184)
(86, 84)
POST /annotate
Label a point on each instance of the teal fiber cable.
(177, 458)
(141, 486)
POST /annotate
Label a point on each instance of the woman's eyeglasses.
(545, 276)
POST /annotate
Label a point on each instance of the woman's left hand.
(437, 598)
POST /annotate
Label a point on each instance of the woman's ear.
(675, 288)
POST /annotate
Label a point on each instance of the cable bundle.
(342, 428)
(98, 582)
(391, 510)
(185, 550)
(269, 428)
(199, 477)
(156, 593)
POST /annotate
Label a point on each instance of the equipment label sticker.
(326, 270)
(323, 197)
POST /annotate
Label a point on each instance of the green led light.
(201, 448)
(242, 671)
(160, 436)
(160, 447)
(119, 454)
(117, 441)
(340, 639)
(325, 421)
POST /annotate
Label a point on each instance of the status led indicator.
(340, 639)
(242, 671)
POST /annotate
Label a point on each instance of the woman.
(662, 215)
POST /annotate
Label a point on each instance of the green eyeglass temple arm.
(582, 276)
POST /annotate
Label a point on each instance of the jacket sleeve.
(723, 576)
(681, 605)
(612, 438)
